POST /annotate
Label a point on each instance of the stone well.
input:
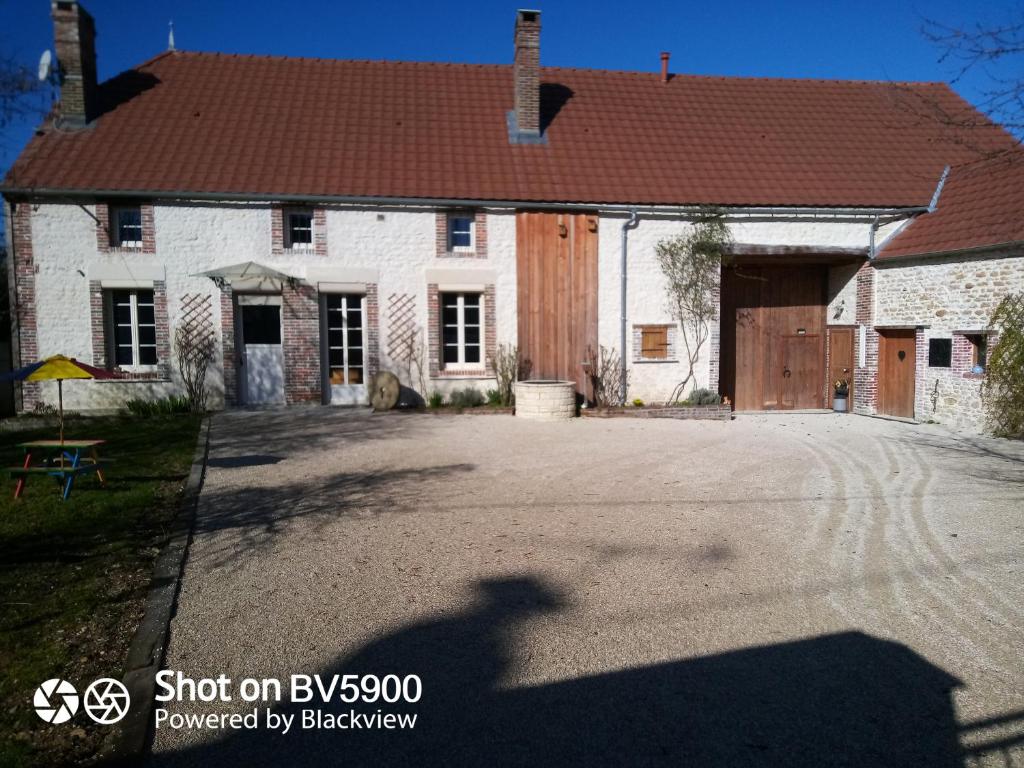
(546, 399)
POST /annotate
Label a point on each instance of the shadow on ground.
(844, 699)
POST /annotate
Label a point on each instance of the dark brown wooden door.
(556, 275)
(897, 363)
(772, 336)
(840, 359)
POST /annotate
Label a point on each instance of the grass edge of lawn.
(79, 574)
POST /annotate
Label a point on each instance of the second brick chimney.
(74, 34)
(524, 120)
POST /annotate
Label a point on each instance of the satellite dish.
(45, 64)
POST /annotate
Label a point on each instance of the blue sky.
(864, 40)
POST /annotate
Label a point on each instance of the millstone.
(384, 391)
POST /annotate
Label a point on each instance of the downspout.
(630, 224)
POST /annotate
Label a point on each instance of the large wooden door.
(556, 275)
(773, 336)
(897, 363)
(840, 358)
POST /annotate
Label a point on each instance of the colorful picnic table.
(62, 459)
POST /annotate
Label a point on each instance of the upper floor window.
(460, 232)
(462, 329)
(132, 328)
(126, 226)
(298, 229)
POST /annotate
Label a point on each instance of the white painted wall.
(398, 244)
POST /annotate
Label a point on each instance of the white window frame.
(471, 216)
(115, 218)
(460, 325)
(344, 328)
(134, 326)
(289, 245)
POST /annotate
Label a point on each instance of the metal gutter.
(634, 219)
(437, 202)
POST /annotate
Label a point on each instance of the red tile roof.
(212, 123)
(981, 205)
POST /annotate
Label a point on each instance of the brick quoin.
(97, 311)
(227, 340)
(26, 348)
(300, 309)
(865, 379)
(715, 337)
(372, 331)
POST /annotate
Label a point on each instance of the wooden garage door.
(773, 336)
(897, 362)
(556, 266)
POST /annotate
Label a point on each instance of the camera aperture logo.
(56, 701)
(106, 701)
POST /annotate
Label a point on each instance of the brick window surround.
(277, 227)
(100, 324)
(963, 352)
(300, 316)
(437, 371)
(104, 235)
(479, 250)
(670, 353)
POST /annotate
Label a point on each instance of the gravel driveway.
(778, 590)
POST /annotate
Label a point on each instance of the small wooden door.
(840, 359)
(556, 276)
(801, 370)
(897, 363)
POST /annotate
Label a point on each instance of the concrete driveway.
(778, 590)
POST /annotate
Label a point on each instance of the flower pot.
(839, 403)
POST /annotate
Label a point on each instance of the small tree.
(194, 345)
(604, 367)
(692, 265)
(1003, 390)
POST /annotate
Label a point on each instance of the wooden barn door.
(556, 275)
(773, 336)
(897, 364)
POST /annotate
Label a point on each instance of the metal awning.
(250, 275)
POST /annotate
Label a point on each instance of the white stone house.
(418, 215)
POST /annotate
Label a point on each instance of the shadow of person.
(843, 699)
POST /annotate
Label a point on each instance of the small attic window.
(298, 229)
(126, 230)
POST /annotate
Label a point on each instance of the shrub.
(435, 400)
(1002, 393)
(604, 368)
(704, 397)
(469, 397)
(509, 367)
(167, 406)
(638, 402)
(493, 397)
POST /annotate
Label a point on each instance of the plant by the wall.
(194, 345)
(493, 397)
(692, 265)
(470, 397)
(704, 397)
(509, 367)
(436, 399)
(1003, 390)
(604, 368)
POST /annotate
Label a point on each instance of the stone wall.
(946, 297)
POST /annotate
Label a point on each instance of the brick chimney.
(74, 34)
(524, 120)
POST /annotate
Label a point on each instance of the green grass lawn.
(74, 575)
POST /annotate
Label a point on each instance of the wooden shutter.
(654, 342)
